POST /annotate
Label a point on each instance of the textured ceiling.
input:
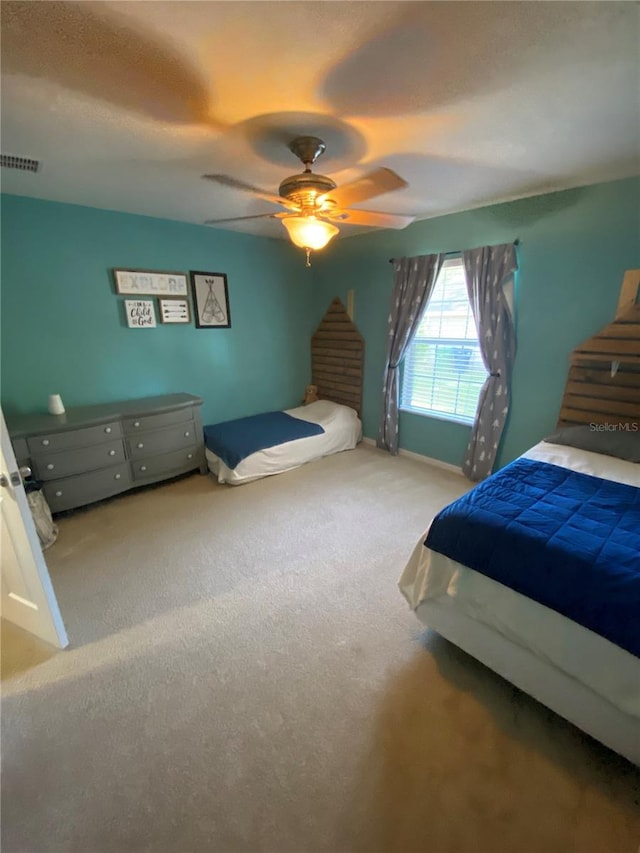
(128, 104)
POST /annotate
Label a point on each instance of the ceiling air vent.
(8, 161)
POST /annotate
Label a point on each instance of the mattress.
(342, 431)
(597, 663)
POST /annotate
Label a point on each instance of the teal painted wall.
(64, 331)
(575, 247)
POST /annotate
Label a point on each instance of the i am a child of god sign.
(140, 313)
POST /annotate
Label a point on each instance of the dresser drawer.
(51, 466)
(167, 464)
(86, 488)
(162, 441)
(133, 425)
(72, 438)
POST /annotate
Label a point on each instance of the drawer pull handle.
(189, 455)
(143, 467)
(117, 476)
(136, 423)
(186, 435)
(58, 494)
(112, 453)
(140, 445)
(45, 442)
(107, 429)
(50, 466)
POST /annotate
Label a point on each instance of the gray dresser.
(93, 452)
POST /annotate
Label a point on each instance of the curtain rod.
(516, 242)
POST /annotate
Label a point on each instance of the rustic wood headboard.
(603, 385)
(337, 358)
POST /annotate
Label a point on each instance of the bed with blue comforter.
(536, 572)
(565, 539)
(233, 441)
(247, 449)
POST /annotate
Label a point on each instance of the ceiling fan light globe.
(307, 232)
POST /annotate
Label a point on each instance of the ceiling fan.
(314, 202)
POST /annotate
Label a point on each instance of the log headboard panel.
(603, 385)
(337, 358)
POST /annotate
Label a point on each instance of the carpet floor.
(245, 677)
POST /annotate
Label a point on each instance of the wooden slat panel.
(343, 399)
(616, 331)
(592, 394)
(603, 376)
(344, 391)
(337, 358)
(340, 367)
(341, 374)
(585, 358)
(594, 404)
(337, 322)
(625, 393)
(340, 345)
(334, 353)
(631, 316)
(344, 378)
(347, 335)
(609, 345)
(339, 396)
(570, 416)
(347, 383)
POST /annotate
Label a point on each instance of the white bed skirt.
(537, 677)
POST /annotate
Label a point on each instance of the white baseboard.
(418, 457)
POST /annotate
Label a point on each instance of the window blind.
(443, 371)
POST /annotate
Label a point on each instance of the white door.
(28, 598)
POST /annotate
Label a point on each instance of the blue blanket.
(567, 540)
(233, 441)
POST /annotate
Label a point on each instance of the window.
(443, 370)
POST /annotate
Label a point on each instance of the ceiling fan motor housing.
(305, 188)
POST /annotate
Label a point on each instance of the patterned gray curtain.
(413, 282)
(488, 270)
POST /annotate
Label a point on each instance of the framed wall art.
(140, 313)
(174, 310)
(150, 283)
(210, 300)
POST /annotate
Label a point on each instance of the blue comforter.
(233, 441)
(567, 540)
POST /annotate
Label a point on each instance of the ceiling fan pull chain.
(308, 251)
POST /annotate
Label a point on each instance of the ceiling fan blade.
(371, 218)
(376, 183)
(244, 218)
(235, 184)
